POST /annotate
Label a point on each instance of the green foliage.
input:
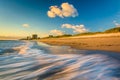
(61, 36)
(113, 30)
(87, 33)
(65, 35)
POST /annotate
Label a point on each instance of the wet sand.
(107, 42)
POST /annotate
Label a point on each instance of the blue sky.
(92, 15)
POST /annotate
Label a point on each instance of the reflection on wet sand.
(36, 64)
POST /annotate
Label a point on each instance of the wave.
(23, 48)
(33, 64)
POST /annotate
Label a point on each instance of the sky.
(20, 18)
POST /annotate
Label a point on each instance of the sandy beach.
(107, 42)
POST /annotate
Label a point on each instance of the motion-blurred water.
(25, 60)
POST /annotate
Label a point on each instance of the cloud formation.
(56, 32)
(66, 10)
(116, 23)
(76, 28)
(26, 25)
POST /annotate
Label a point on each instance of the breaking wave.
(31, 63)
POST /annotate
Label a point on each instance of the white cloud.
(66, 10)
(56, 32)
(116, 23)
(26, 25)
(51, 14)
(76, 28)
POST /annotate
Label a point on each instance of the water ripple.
(34, 64)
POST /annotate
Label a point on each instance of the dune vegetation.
(112, 30)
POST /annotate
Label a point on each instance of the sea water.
(30, 60)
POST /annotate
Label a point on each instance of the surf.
(39, 61)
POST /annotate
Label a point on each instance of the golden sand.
(107, 42)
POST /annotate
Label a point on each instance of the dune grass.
(112, 30)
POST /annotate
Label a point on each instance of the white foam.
(32, 63)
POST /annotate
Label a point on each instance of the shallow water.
(25, 60)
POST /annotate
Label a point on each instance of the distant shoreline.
(106, 42)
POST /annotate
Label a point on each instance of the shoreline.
(105, 42)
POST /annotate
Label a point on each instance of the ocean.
(31, 60)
